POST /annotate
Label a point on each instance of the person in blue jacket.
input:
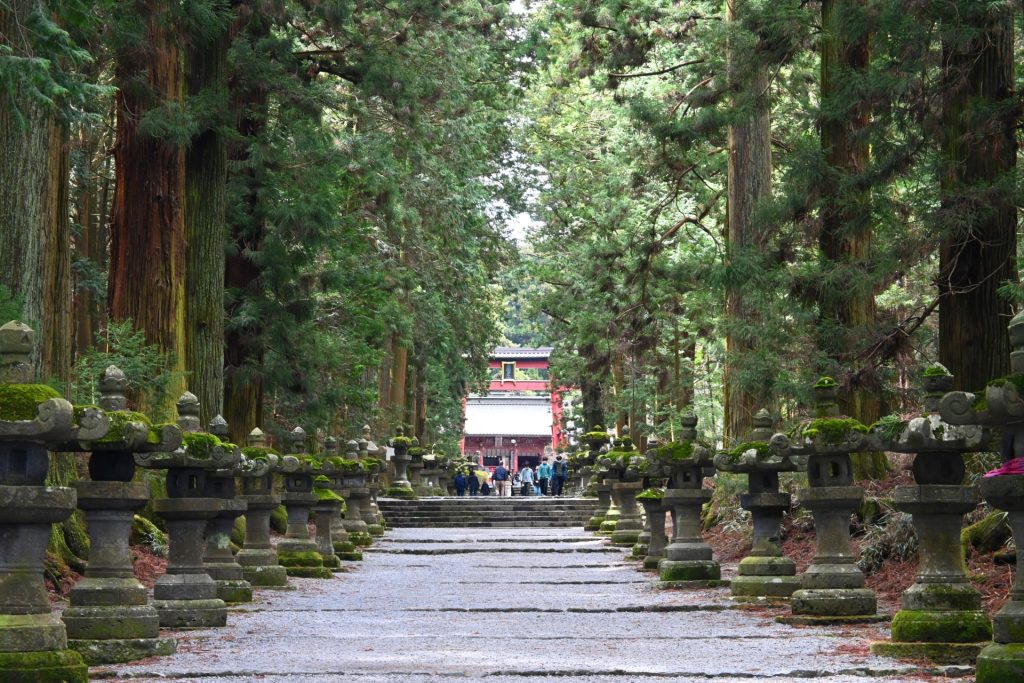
(460, 484)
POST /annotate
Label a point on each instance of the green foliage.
(890, 427)
(651, 494)
(148, 370)
(760, 447)
(893, 537)
(832, 430)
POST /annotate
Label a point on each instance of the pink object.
(1015, 466)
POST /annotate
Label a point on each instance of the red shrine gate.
(518, 421)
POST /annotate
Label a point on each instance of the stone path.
(518, 605)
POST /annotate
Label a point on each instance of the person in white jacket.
(526, 476)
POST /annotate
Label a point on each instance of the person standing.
(526, 476)
(482, 475)
(559, 475)
(460, 484)
(473, 483)
(500, 479)
(543, 477)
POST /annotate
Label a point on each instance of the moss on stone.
(936, 370)
(1016, 380)
(832, 429)
(675, 450)
(825, 381)
(653, 493)
(258, 452)
(401, 441)
(304, 558)
(762, 448)
(200, 444)
(322, 491)
(119, 419)
(889, 427)
(912, 626)
(48, 666)
(19, 402)
(1001, 663)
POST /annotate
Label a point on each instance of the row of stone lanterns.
(110, 618)
(940, 616)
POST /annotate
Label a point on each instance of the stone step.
(487, 512)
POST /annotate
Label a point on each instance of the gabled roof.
(508, 416)
(511, 353)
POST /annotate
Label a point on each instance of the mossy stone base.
(766, 565)
(103, 622)
(937, 653)
(689, 570)
(121, 650)
(625, 538)
(234, 592)
(267, 576)
(706, 583)
(1000, 663)
(811, 620)
(781, 587)
(360, 538)
(192, 613)
(652, 562)
(402, 492)
(375, 529)
(320, 572)
(332, 561)
(834, 602)
(608, 526)
(910, 626)
(302, 558)
(343, 546)
(639, 550)
(351, 556)
(593, 524)
(47, 666)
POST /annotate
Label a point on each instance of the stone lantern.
(596, 439)
(832, 589)
(298, 552)
(343, 547)
(401, 487)
(33, 417)
(218, 559)
(941, 616)
(186, 596)
(260, 566)
(1002, 410)
(625, 466)
(653, 501)
(416, 467)
(110, 619)
(372, 514)
(328, 505)
(355, 479)
(765, 572)
(689, 561)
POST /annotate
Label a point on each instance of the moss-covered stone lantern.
(832, 589)
(257, 557)
(355, 476)
(401, 486)
(689, 561)
(33, 417)
(653, 501)
(344, 548)
(625, 466)
(186, 596)
(597, 440)
(941, 617)
(375, 454)
(1002, 410)
(298, 552)
(765, 572)
(218, 559)
(110, 619)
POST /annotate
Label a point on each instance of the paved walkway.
(521, 605)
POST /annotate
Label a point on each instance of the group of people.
(545, 480)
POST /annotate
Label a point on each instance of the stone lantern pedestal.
(219, 561)
(1003, 659)
(325, 511)
(186, 596)
(297, 552)
(257, 557)
(110, 619)
(604, 500)
(628, 527)
(643, 541)
(655, 511)
(689, 561)
(401, 487)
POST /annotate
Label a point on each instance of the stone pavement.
(518, 605)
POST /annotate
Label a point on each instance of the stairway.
(489, 511)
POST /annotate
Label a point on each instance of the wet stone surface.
(527, 617)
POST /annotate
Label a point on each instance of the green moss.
(200, 444)
(81, 410)
(322, 490)
(674, 450)
(49, 666)
(258, 453)
(762, 448)
(371, 465)
(305, 558)
(119, 419)
(401, 441)
(19, 402)
(941, 627)
(935, 371)
(651, 494)
(826, 382)
(980, 403)
(832, 429)
(1016, 380)
(417, 450)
